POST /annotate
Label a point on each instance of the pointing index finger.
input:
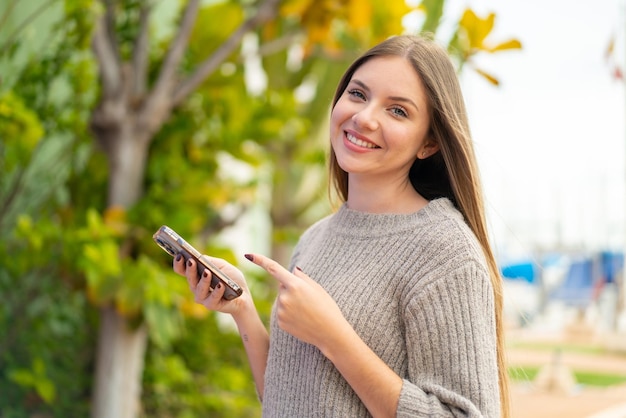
(272, 267)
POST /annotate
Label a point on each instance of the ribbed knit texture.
(416, 289)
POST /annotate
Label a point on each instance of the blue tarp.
(577, 288)
(583, 279)
(612, 265)
(525, 270)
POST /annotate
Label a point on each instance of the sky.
(551, 140)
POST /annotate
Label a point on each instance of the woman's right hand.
(212, 298)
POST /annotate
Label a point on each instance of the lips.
(359, 142)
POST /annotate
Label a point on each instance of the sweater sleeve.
(451, 345)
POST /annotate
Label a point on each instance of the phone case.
(174, 244)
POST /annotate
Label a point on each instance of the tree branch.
(177, 49)
(109, 8)
(276, 45)
(7, 13)
(267, 11)
(11, 195)
(140, 52)
(104, 46)
(7, 44)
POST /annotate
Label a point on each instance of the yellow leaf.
(295, 7)
(490, 78)
(127, 307)
(193, 310)
(359, 14)
(387, 18)
(92, 296)
(510, 44)
(115, 218)
(476, 28)
(610, 48)
(318, 33)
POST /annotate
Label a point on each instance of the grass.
(522, 374)
(599, 379)
(588, 378)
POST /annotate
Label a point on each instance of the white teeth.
(359, 142)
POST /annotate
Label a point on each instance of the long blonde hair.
(452, 172)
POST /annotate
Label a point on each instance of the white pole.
(621, 305)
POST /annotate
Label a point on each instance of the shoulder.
(450, 254)
(448, 232)
(316, 228)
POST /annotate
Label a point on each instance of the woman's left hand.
(303, 308)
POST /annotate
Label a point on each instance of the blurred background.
(117, 117)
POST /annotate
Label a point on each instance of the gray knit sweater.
(416, 289)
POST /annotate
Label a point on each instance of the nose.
(365, 118)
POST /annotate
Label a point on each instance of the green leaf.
(20, 131)
(433, 11)
(36, 379)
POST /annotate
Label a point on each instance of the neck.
(384, 199)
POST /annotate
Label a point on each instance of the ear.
(429, 148)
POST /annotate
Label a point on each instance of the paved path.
(587, 403)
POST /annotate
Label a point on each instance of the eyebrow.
(395, 98)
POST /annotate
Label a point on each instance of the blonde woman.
(392, 305)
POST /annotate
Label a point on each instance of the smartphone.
(173, 244)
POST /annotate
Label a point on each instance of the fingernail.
(205, 274)
(249, 257)
(298, 268)
(178, 257)
(219, 285)
(189, 263)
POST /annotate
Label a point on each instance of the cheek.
(336, 119)
(406, 141)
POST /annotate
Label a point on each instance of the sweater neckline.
(365, 224)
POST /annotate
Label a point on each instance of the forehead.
(393, 74)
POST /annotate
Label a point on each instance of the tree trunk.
(121, 348)
(120, 361)
(127, 162)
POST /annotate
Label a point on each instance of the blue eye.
(399, 111)
(356, 93)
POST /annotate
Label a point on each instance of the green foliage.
(433, 11)
(46, 326)
(20, 125)
(36, 378)
(215, 22)
(46, 323)
(207, 370)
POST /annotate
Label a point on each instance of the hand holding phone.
(173, 244)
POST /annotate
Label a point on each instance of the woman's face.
(380, 123)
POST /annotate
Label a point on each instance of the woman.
(393, 305)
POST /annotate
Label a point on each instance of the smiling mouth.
(359, 142)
